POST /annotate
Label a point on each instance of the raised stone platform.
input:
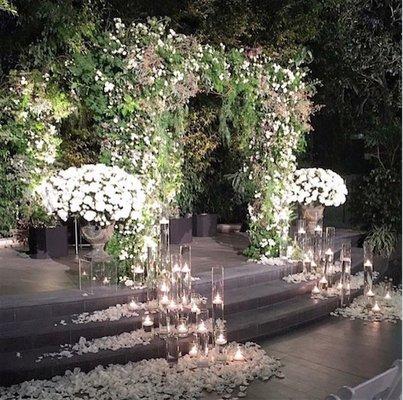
(258, 303)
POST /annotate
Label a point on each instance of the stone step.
(242, 326)
(31, 334)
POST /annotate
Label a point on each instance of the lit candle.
(182, 329)
(315, 290)
(133, 306)
(329, 252)
(238, 354)
(376, 308)
(388, 296)
(193, 350)
(368, 263)
(176, 268)
(195, 309)
(105, 281)
(164, 301)
(164, 287)
(370, 293)
(147, 322)
(217, 299)
(172, 305)
(301, 231)
(339, 286)
(84, 273)
(221, 340)
(185, 269)
(201, 328)
(138, 269)
(318, 229)
(185, 301)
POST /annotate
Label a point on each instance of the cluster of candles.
(179, 312)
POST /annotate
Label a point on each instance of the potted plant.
(315, 188)
(180, 230)
(100, 196)
(204, 225)
(46, 236)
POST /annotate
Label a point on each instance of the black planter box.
(48, 242)
(205, 225)
(180, 230)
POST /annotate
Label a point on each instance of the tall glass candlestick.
(164, 324)
(176, 278)
(301, 232)
(345, 258)
(172, 348)
(202, 331)
(185, 252)
(368, 271)
(217, 295)
(164, 243)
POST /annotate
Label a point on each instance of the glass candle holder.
(183, 327)
(185, 254)
(217, 295)
(138, 271)
(329, 248)
(194, 349)
(132, 305)
(164, 324)
(202, 331)
(147, 322)
(172, 348)
(368, 267)
(164, 258)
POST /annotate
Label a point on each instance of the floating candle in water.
(172, 305)
(388, 296)
(376, 308)
(148, 320)
(238, 354)
(182, 328)
(193, 350)
(164, 301)
(185, 269)
(217, 299)
(370, 293)
(138, 269)
(315, 290)
(164, 287)
(201, 328)
(221, 340)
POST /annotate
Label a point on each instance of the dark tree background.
(355, 48)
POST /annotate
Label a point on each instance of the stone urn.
(98, 237)
(312, 215)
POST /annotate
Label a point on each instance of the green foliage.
(382, 239)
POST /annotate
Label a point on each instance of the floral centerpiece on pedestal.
(315, 188)
(99, 195)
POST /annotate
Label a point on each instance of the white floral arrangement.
(95, 192)
(315, 186)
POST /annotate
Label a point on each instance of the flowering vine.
(136, 82)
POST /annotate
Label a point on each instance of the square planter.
(48, 242)
(204, 225)
(180, 230)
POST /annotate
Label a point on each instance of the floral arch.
(135, 83)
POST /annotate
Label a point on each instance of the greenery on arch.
(130, 86)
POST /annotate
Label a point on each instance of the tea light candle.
(138, 269)
(164, 287)
(329, 252)
(183, 329)
(238, 356)
(368, 263)
(185, 269)
(370, 293)
(217, 299)
(315, 290)
(164, 300)
(376, 308)
(105, 281)
(388, 296)
(176, 268)
(221, 340)
(147, 323)
(84, 273)
(193, 350)
(201, 328)
(318, 229)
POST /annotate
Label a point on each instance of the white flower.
(108, 87)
